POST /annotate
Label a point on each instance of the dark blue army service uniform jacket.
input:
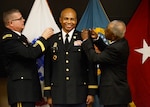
(20, 63)
(69, 76)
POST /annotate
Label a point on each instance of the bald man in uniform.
(70, 79)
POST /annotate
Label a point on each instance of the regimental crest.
(55, 47)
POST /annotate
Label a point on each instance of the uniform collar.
(17, 32)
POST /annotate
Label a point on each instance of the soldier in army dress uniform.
(70, 79)
(20, 60)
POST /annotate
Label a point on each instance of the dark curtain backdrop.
(115, 9)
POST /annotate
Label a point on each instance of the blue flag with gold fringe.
(95, 18)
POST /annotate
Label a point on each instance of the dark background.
(115, 9)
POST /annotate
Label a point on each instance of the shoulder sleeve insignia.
(7, 36)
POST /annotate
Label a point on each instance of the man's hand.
(49, 101)
(90, 99)
(47, 33)
(96, 49)
(85, 34)
(94, 35)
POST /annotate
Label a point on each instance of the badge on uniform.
(25, 44)
(55, 47)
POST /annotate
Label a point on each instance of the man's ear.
(60, 19)
(114, 37)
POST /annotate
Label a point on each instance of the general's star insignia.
(145, 51)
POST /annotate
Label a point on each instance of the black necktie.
(66, 41)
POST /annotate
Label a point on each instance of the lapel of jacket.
(21, 38)
(60, 41)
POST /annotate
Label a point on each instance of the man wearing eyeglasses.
(20, 60)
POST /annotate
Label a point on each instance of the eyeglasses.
(18, 19)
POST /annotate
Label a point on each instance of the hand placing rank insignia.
(77, 43)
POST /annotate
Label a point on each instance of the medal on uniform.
(55, 47)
